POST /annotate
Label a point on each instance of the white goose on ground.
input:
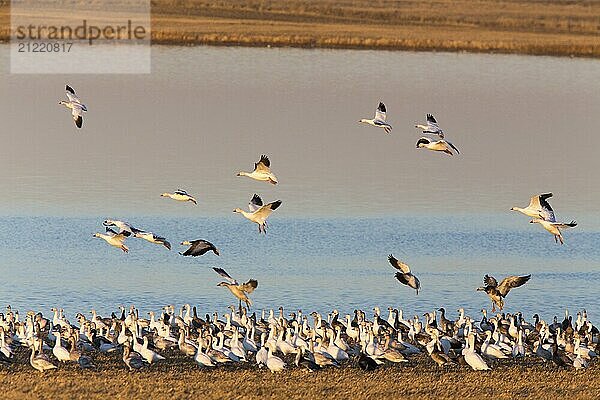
(180, 195)
(379, 119)
(39, 363)
(471, 357)
(149, 355)
(114, 239)
(201, 358)
(274, 363)
(75, 105)
(431, 128)
(258, 212)
(262, 171)
(60, 352)
(437, 145)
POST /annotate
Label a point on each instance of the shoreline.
(180, 377)
(545, 27)
(310, 44)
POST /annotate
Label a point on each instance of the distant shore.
(179, 378)
(553, 28)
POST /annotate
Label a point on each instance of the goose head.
(423, 142)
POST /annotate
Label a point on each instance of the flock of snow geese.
(273, 341)
(278, 341)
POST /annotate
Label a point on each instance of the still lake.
(351, 194)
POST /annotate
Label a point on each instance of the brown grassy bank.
(507, 26)
(552, 27)
(178, 377)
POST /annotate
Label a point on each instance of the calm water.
(351, 195)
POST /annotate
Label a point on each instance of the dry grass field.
(550, 27)
(180, 378)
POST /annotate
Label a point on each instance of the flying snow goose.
(152, 238)
(122, 225)
(241, 291)
(379, 120)
(198, 248)
(262, 171)
(538, 207)
(114, 239)
(432, 127)
(404, 275)
(497, 292)
(75, 105)
(437, 145)
(258, 212)
(554, 227)
(180, 195)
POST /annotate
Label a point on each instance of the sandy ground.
(550, 27)
(179, 377)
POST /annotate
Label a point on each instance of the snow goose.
(404, 275)
(124, 227)
(366, 363)
(336, 352)
(262, 171)
(201, 358)
(437, 145)
(179, 195)
(554, 227)
(75, 105)
(391, 354)
(132, 359)
(198, 247)
(538, 207)
(431, 128)
(148, 354)
(471, 357)
(258, 212)
(185, 347)
(518, 349)
(39, 363)
(85, 362)
(114, 239)
(261, 354)
(491, 350)
(241, 291)
(301, 361)
(274, 363)
(497, 292)
(579, 362)
(60, 352)
(379, 120)
(152, 238)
